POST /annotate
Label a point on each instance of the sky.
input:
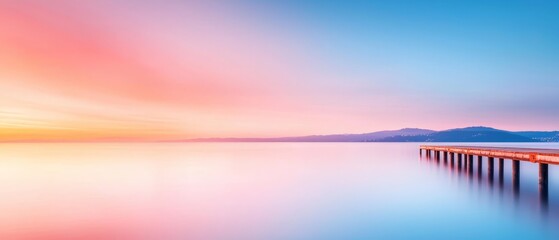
(154, 70)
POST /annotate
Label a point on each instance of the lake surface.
(262, 191)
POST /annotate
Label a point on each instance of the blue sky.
(119, 69)
(489, 57)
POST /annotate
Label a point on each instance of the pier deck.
(535, 155)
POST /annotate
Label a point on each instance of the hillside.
(469, 134)
(364, 137)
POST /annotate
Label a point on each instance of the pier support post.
(543, 186)
(445, 157)
(451, 159)
(479, 165)
(459, 163)
(490, 163)
(515, 176)
(501, 170)
(470, 164)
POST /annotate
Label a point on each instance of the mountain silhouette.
(469, 134)
(363, 137)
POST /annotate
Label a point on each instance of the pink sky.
(74, 70)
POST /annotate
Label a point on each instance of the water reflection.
(525, 199)
(262, 191)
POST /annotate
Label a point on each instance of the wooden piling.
(543, 182)
(543, 157)
(516, 176)
(490, 163)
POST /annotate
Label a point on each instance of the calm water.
(261, 191)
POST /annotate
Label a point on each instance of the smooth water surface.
(262, 191)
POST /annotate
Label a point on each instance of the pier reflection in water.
(528, 200)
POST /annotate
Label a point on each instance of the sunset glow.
(145, 70)
(279, 119)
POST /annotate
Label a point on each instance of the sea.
(264, 191)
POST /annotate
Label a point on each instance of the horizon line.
(242, 139)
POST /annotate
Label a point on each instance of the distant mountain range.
(363, 137)
(469, 134)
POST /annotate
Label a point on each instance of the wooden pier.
(542, 157)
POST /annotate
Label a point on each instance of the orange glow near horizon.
(64, 80)
(69, 78)
(117, 70)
